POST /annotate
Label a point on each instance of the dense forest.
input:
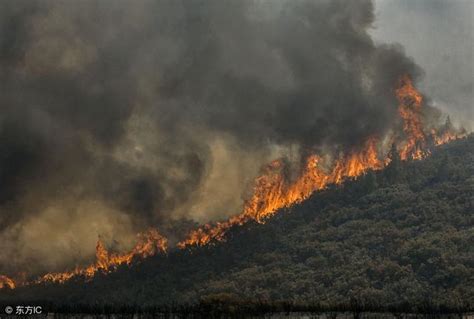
(400, 237)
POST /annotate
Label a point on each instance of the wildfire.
(274, 189)
(149, 243)
(357, 163)
(446, 134)
(6, 282)
(445, 137)
(410, 111)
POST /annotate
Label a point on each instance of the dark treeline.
(250, 309)
(399, 240)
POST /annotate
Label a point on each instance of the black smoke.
(121, 115)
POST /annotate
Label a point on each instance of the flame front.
(274, 190)
(447, 133)
(149, 243)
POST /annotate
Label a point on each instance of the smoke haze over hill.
(119, 115)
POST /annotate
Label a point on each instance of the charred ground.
(401, 237)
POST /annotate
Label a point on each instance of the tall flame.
(410, 110)
(274, 190)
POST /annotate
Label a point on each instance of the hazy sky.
(439, 36)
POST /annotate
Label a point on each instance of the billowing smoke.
(439, 35)
(119, 115)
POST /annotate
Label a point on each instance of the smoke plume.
(119, 115)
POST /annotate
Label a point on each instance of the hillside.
(403, 235)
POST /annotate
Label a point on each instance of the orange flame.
(447, 133)
(410, 110)
(6, 282)
(358, 162)
(149, 243)
(445, 137)
(273, 191)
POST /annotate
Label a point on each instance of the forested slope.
(403, 235)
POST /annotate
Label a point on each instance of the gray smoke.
(439, 35)
(120, 115)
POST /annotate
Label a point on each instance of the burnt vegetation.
(396, 240)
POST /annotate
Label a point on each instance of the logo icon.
(8, 310)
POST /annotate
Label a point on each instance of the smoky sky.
(120, 115)
(439, 35)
